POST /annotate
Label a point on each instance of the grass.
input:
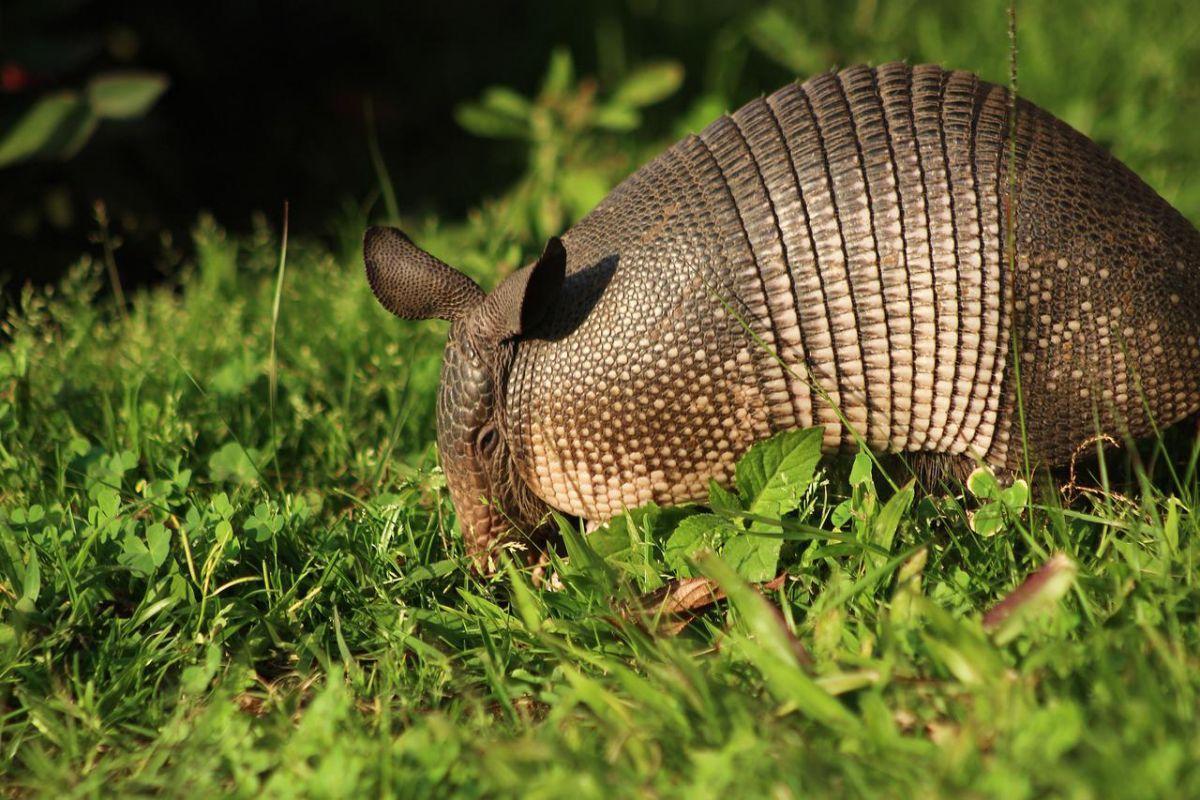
(228, 564)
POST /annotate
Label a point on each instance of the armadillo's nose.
(482, 531)
(487, 530)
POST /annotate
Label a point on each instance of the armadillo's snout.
(492, 517)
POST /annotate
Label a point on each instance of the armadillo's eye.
(487, 439)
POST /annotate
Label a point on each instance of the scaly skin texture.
(870, 251)
(857, 224)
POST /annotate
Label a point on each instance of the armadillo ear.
(526, 297)
(411, 283)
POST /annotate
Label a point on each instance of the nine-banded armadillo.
(876, 251)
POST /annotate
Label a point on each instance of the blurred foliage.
(57, 125)
(40, 117)
(566, 174)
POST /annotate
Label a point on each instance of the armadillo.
(903, 256)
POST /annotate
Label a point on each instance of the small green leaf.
(560, 74)
(616, 118)
(987, 520)
(503, 100)
(981, 483)
(842, 513)
(693, 535)
(232, 463)
(135, 555)
(1016, 496)
(489, 123)
(755, 557)
(221, 504)
(649, 84)
(125, 95)
(158, 543)
(109, 501)
(56, 125)
(860, 471)
(890, 515)
(31, 581)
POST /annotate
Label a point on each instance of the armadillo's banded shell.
(870, 251)
(869, 201)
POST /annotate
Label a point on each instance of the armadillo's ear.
(523, 299)
(411, 283)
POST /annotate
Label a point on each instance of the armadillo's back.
(1104, 293)
(842, 253)
(872, 208)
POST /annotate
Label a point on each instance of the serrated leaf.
(125, 95)
(774, 474)
(771, 479)
(631, 541)
(649, 84)
(694, 535)
(754, 557)
(722, 500)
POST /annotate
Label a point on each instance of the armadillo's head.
(489, 495)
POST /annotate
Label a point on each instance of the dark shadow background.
(267, 102)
